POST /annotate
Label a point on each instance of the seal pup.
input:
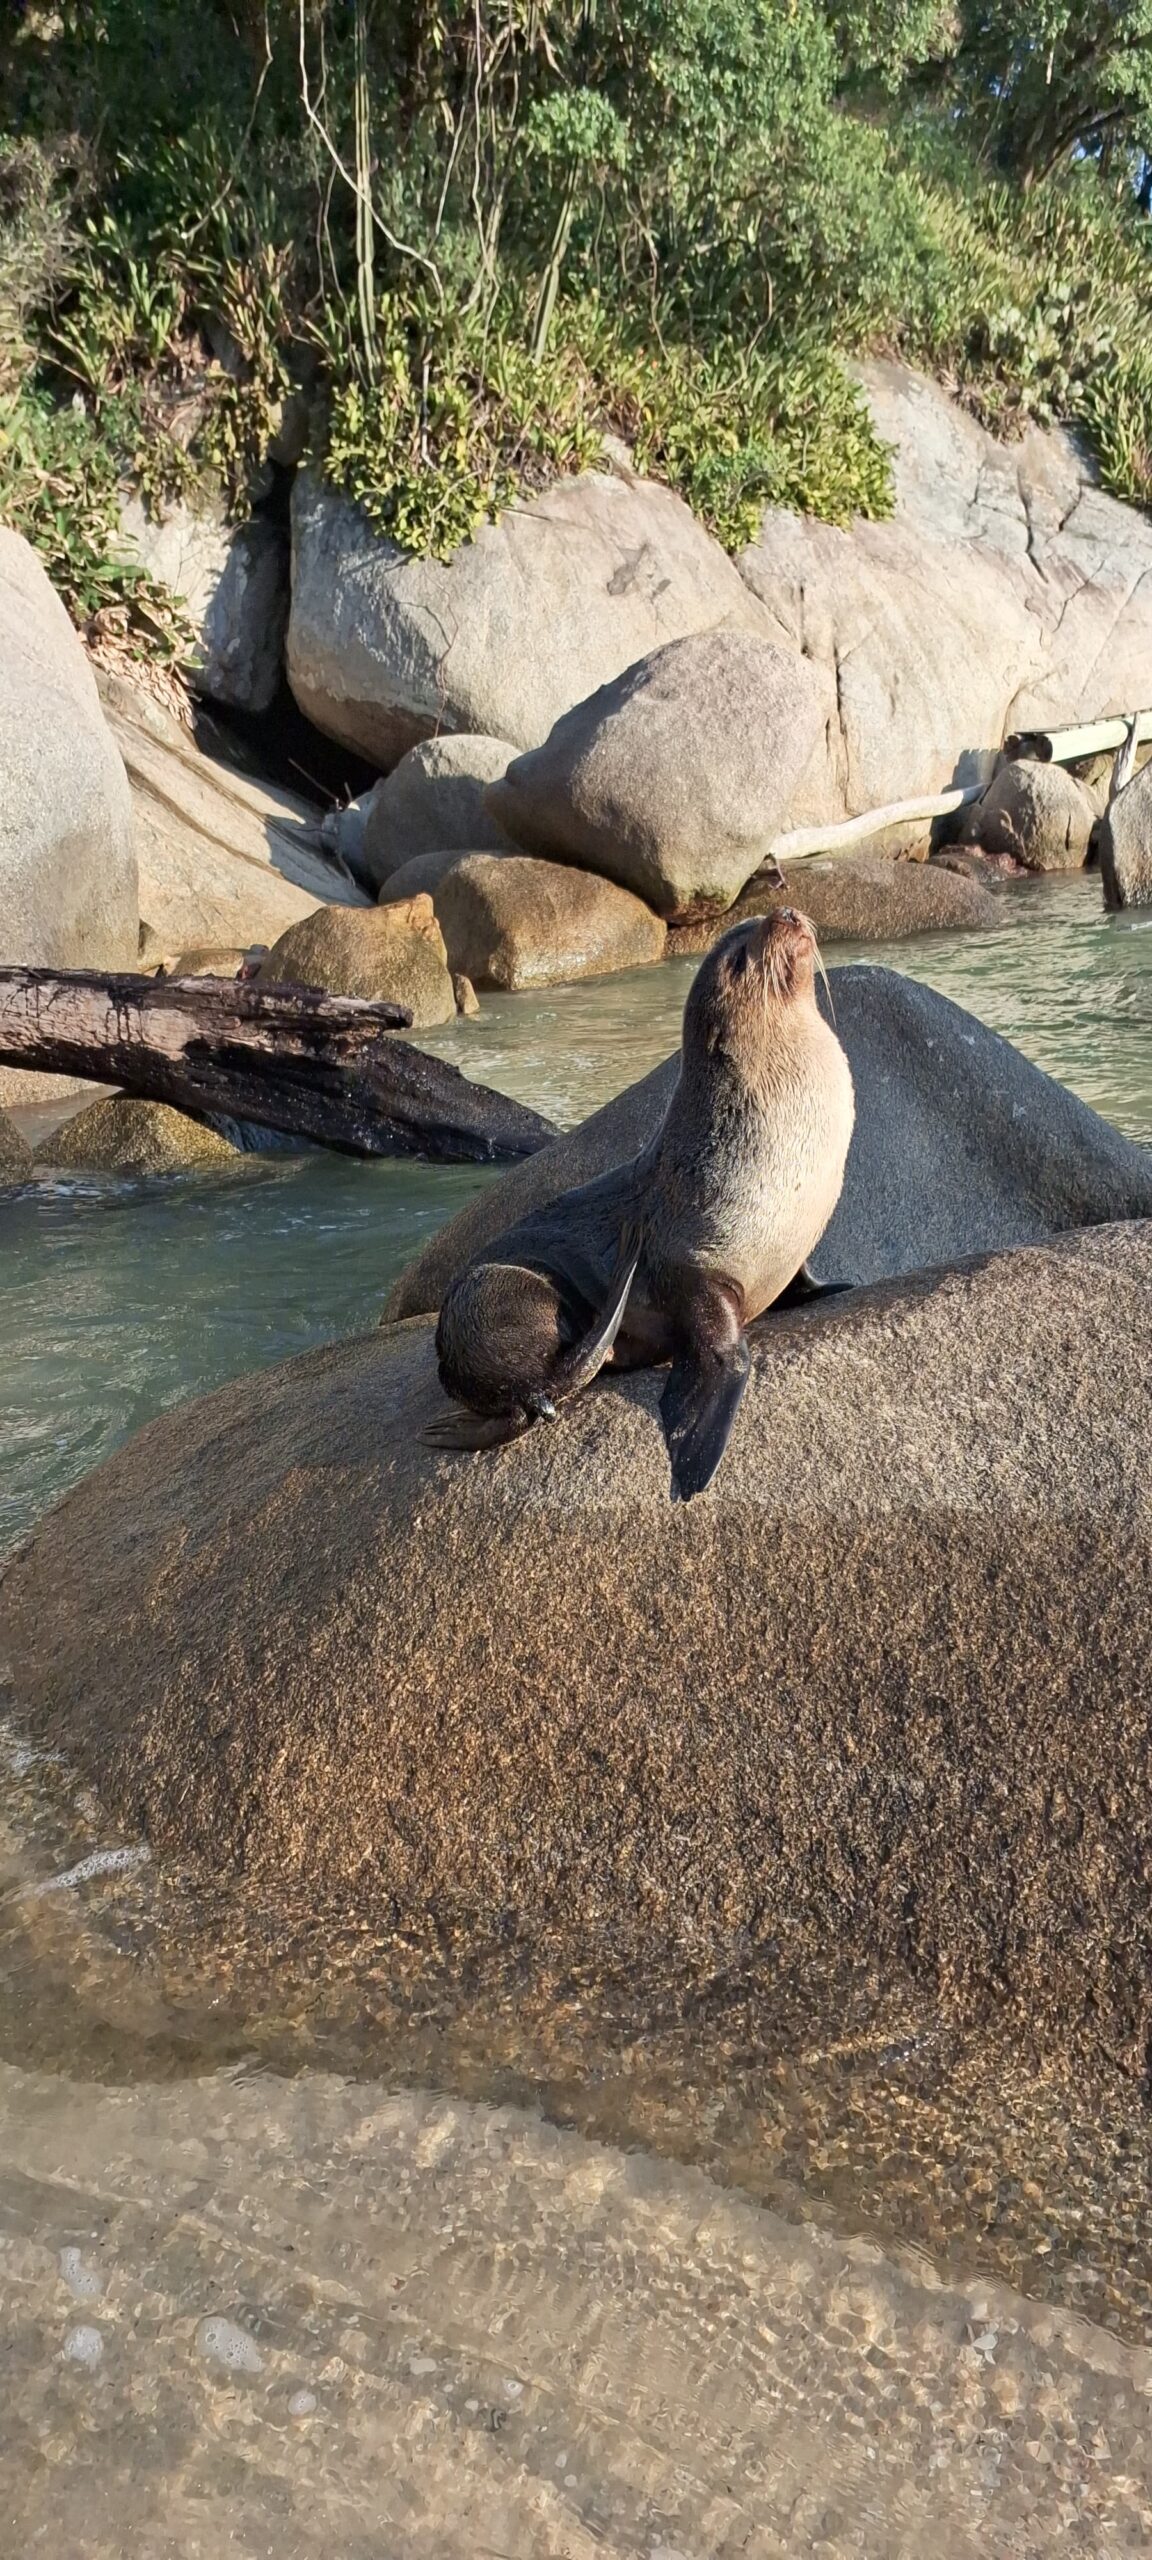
(672, 1256)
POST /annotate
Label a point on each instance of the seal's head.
(761, 969)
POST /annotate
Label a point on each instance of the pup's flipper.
(586, 1358)
(459, 1428)
(707, 1379)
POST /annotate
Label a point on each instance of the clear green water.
(119, 1299)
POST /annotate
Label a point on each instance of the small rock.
(302, 2404)
(1036, 813)
(83, 2345)
(509, 921)
(123, 1135)
(207, 960)
(467, 1000)
(388, 954)
(225, 2342)
(433, 802)
(16, 1154)
(81, 2281)
(422, 876)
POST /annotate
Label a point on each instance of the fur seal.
(670, 1257)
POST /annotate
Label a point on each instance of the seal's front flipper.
(801, 1290)
(459, 1428)
(708, 1378)
(586, 1358)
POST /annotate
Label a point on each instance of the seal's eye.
(738, 962)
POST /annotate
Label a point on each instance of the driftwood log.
(289, 1058)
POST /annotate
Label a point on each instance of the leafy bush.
(488, 231)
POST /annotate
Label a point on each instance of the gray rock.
(15, 1155)
(875, 1689)
(223, 860)
(960, 1146)
(566, 590)
(246, 620)
(1037, 814)
(508, 921)
(233, 583)
(674, 778)
(434, 802)
(1007, 593)
(1125, 844)
(68, 882)
(861, 897)
(393, 953)
(423, 876)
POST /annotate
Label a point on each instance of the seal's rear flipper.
(707, 1379)
(459, 1428)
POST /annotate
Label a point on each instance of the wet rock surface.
(15, 1154)
(123, 1135)
(312, 2313)
(1125, 843)
(864, 897)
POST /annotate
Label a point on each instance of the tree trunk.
(311, 1065)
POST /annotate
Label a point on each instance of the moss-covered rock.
(125, 1135)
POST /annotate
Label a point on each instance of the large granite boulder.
(674, 778)
(508, 921)
(567, 589)
(960, 1146)
(882, 1686)
(1124, 839)
(393, 953)
(222, 859)
(1008, 592)
(68, 890)
(233, 584)
(1036, 814)
(433, 802)
(858, 897)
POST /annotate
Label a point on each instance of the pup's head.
(762, 967)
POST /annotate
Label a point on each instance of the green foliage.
(59, 482)
(486, 232)
(455, 425)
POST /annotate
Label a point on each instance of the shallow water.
(119, 1299)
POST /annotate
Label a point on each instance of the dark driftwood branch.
(311, 1065)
